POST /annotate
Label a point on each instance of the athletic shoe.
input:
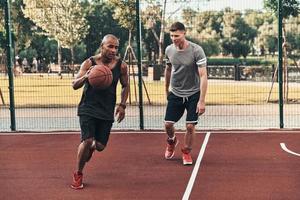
(186, 158)
(77, 181)
(170, 150)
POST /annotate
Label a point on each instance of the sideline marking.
(196, 169)
(283, 146)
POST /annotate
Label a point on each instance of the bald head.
(107, 38)
(109, 47)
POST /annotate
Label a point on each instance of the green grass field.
(54, 91)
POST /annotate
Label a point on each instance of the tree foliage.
(100, 21)
(239, 36)
(62, 20)
(289, 7)
(124, 13)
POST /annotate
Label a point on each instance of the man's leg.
(170, 130)
(83, 153)
(191, 121)
(189, 136)
(188, 142)
(84, 149)
(174, 112)
(95, 146)
(87, 125)
(171, 141)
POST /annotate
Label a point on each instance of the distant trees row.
(241, 34)
(71, 30)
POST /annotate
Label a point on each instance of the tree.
(100, 22)
(238, 35)
(254, 18)
(267, 30)
(152, 20)
(2, 33)
(271, 44)
(289, 8)
(189, 18)
(2, 16)
(63, 20)
(152, 15)
(208, 25)
(125, 14)
(244, 34)
(229, 18)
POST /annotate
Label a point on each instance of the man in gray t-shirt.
(186, 85)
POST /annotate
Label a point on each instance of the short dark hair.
(177, 26)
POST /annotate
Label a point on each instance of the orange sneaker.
(77, 181)
(170, 150)
(186, 157)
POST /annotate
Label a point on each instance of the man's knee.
(88, 142)
(190, 128)
(99, 146)
(169, 125)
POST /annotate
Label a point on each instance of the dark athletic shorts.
(177, 105)
(95, 128)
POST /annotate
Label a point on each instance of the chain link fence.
(239, 39)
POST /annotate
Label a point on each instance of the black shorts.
(176, 106)
(95, 128)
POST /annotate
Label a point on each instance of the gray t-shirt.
(185, 80)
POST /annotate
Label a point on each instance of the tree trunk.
(59, 55)
(129, 38)
(72, 61)
(162, 36)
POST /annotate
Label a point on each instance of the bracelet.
(123, 105)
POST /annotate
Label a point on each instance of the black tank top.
(100, 103)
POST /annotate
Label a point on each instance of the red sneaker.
(77, 181)
(186, 157)
(170, 150)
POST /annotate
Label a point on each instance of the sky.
(235, 4)
(203, 5)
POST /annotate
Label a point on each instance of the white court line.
(196, 169)
(283, 146)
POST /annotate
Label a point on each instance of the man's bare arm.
(120, 111)
(82, 75)
(124, 83)
(203, 89)
(167, 77)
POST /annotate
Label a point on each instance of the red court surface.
(235, 165)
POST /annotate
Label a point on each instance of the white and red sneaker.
(186, 157)
(170, 150)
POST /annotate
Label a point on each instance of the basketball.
(100, 77)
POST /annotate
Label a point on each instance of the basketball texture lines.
(100, 77)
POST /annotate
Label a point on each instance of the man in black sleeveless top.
(96, 107)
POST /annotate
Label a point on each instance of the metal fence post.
(139, 58)
(10, 65)
(280, 62)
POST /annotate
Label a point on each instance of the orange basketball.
(100, 77)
